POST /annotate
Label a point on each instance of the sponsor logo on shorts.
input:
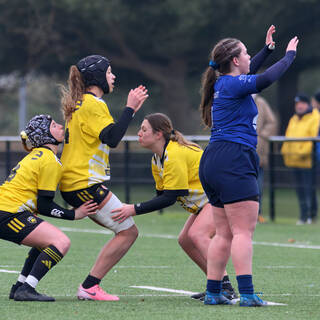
(32, 220)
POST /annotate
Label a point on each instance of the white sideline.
(234, 301)
(168, 236)
(164, 290)
(8, 271)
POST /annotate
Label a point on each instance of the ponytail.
(179, 137)
(72, 94)
(220, 57)
(208, 80)
(24, 139)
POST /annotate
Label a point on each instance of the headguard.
(38, 131)
(93, 69)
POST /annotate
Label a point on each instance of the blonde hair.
(24, 139)
(72, 94)
(160, 122)
(222, 54)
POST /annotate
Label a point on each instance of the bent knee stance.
(184, 241)
(131, 234)
(62, 243)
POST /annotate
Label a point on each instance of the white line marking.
(86, 230)
(164, 290)
(290, 267)
(144, 267)
(270, 303)
(234, 301)
(286, 245)
(168, 236)
(8, 271)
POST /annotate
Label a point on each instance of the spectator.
(266, 127)
(315, 101)
(298, 155)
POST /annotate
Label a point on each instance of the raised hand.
(270, 32)
(124, 212)
(137, 97)
(88, 208)
(292, 45)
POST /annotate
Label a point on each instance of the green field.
(285, 272)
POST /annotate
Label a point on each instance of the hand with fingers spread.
(137, 97)
(269, 39)
(87, 209)
(126, 211)
(292, 45)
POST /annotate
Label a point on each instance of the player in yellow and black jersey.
(175, 169)
(29, 190)
(90, 132)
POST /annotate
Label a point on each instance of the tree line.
(164, 44)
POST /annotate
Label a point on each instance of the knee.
(134, 232)
(62, 243)
(131, 234)
(183, 240)
(195, 236)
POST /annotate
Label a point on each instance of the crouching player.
(30, 190)
(175, 167)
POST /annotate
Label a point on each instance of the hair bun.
(23, 135)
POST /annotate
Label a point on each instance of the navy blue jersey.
(234, 113)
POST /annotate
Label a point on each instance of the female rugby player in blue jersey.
(229, 166)
(30, 190)
(90, 133)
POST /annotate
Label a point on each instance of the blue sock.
(245, 284)
(214, 286)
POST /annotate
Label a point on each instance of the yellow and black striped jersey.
(84, 157)
(179, 170)
(39, 170)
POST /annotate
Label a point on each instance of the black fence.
(280, 176)
(131, 165)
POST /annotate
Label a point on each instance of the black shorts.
(97, 193)
(15, 227)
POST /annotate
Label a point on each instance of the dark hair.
(301, 97)
(222, 54)
(317, 96)
(160, 122)
(72, 94)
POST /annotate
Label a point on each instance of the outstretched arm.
(261, 56)
(278, 69)
(113, 133)
(47, 207)
(162, 201)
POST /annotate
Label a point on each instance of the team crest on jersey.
(254, 122)
(32, 220)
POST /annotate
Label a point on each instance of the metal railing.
(121, 159)
(128, 166)
(273, 152)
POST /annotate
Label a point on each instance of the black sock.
(90, 281)
(31, 258)
(47, 259)
(226, 284)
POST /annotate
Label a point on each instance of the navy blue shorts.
(228, 172)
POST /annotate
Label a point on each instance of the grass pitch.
(286, 269)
